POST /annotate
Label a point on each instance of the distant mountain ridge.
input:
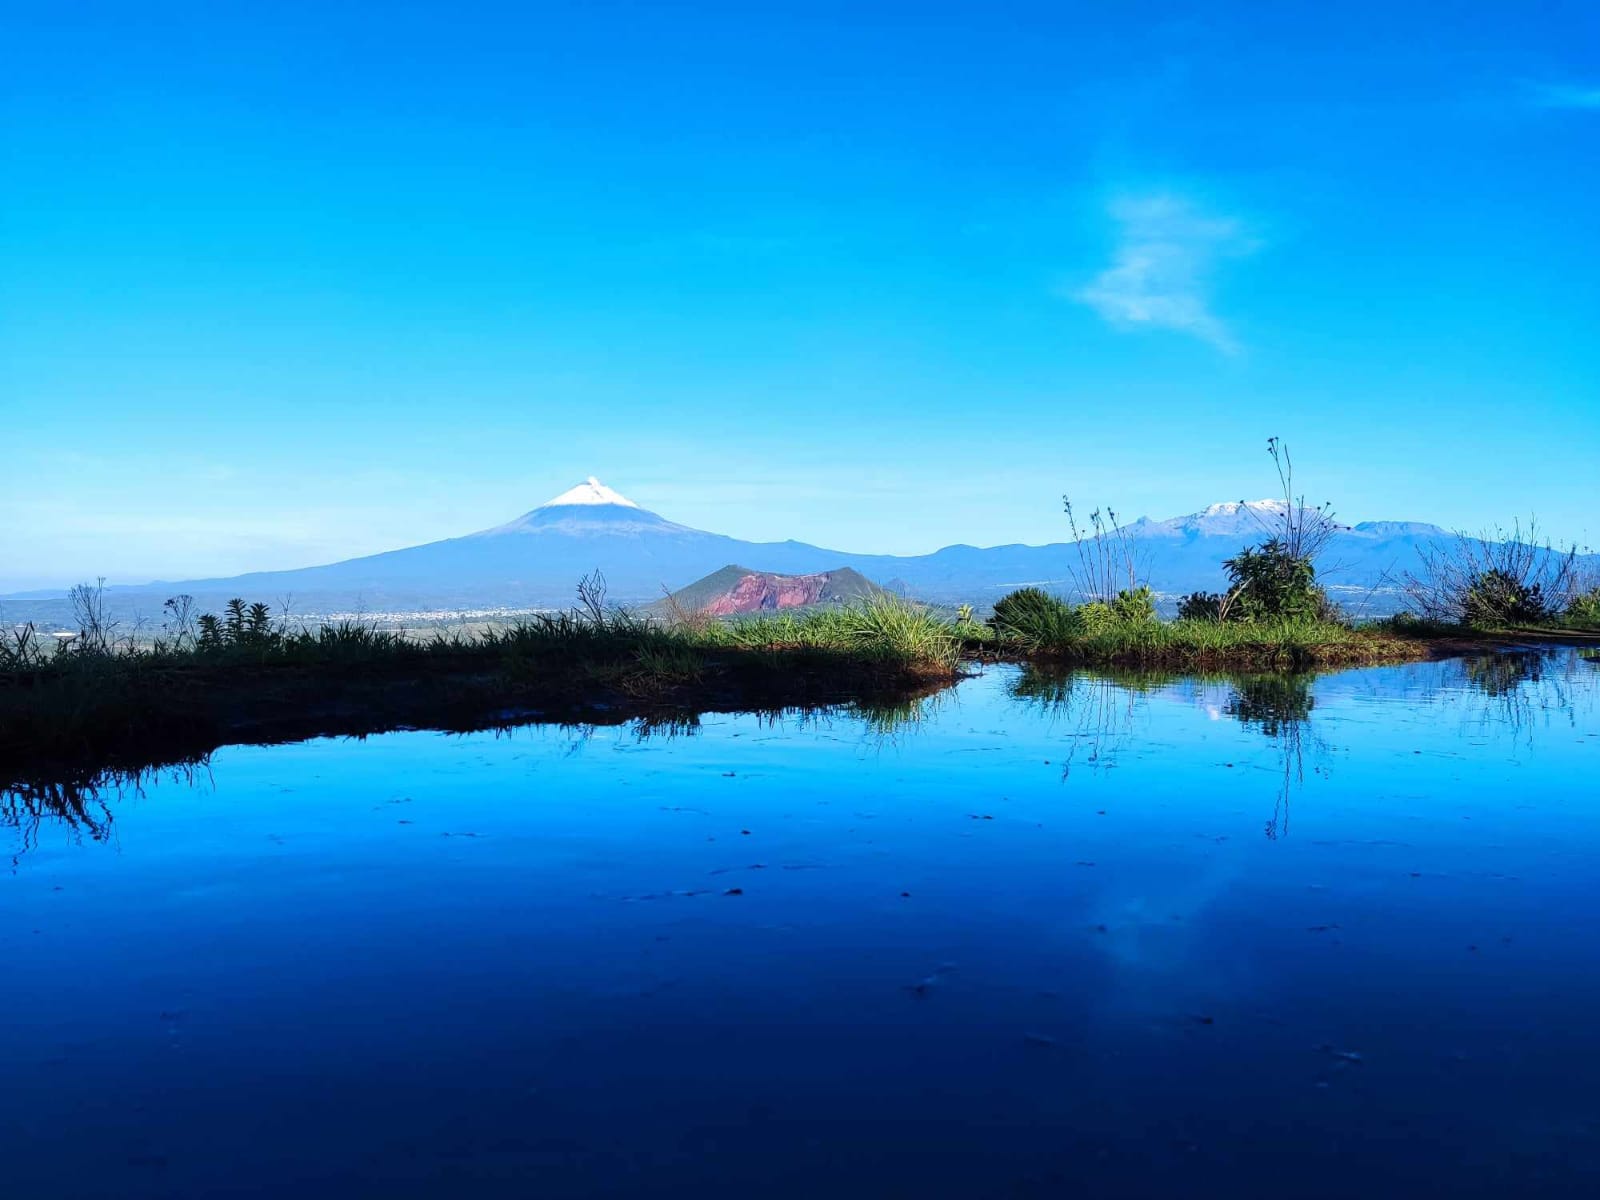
(535, 561)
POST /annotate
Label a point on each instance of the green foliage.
(1135, 606)
(188, 695)
(1583, 612)
(671, 664)
(1096, 619)
(1410, 625)
(1501, 597)
(1130, 614)
(1126, 631)
(1272, 642)
(1036, 619)
(1270, 581)
(884, 629)
(1200, 606)
(1023, 605)
(210, 637)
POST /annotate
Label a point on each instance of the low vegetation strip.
(1125, 631)
(240, 677)
(243, 676)
(1286, 644)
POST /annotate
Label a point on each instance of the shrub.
(1200, 606)
(1097, 619)
(1497, 597)
(1270, 580)
(240, 625)
(893, 629)
(1584, 609)
(1135, 606)
(1505, 578)
(1035, 617)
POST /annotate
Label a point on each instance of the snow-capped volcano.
(1229, 508)
(590, 507)
(590, 491)
(1229, 519)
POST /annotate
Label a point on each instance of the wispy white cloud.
(1160, 273)
(1565, 95)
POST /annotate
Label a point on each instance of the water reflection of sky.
(1138, 936)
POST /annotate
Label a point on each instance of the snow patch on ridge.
(1233, 507)
(590, 491)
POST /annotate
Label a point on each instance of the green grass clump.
(1125, 631)
(1583, 613)
(1033, 618)
(1284, 643)
(884, 630)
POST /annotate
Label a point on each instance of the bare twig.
(1303, 531)
(1504, 577)
(1107, 555)
(592, 597)
(95, 629)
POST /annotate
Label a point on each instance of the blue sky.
(283, 284)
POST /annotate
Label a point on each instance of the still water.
(1050, 937)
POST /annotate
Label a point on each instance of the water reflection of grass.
(1266, 699)
(1501, 674)
(1516, 691)
(79, 803)
(131, 707)
(1099, 709)
(880, 718)
(80, 799)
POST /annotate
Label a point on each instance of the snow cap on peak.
(590, 491)
(1229, 508)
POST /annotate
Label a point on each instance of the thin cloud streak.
(1565, 95)
(1159, 277)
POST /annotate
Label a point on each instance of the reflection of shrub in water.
(1045, 689)
(1100, 710)
(1053, 687)
(1519, 690)
(1274, 704)
(1098, 706)
(1279, 706)
(1502, 674)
